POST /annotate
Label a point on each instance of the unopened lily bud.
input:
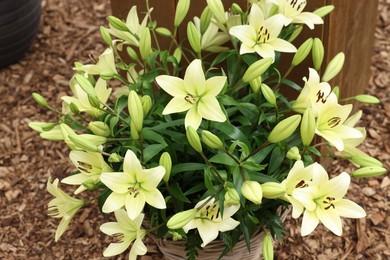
(268, 248)
(117, 24)
(163, 31)
(273, 190)
(366, 161)
(256, 84)
(115, 158)
(83, 143)
(325, 10)
(317, 53)
(268, 94)
(232, 197)
(176, 236)
(74, 108)
(53, 135)
(99, 128)
(295, 33)
(368, 99)
(39, 99)
(257, 69)
(252, 191)
(333, 67)
(302, 52)
(193, 139)
(370, 171)
(90, 185)
(166, 162)
(284, 129)
(211, 140)
(293, 154)
(236, 9)
(107, 75)
(85, 85)
(308, 127)
(94, 101)
(41, 126)
(132, 54)
(136, 110)
(177, 54)
(218, 10)
(205, 19)
(133, 131)
(181, 12)
(146, 104)
(181, 219)
(145, 44)
(336, 91)
(194, 37)
(105, 35)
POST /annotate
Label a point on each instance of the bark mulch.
(70, 32)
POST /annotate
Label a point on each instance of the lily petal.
(116, 248)
(113, 202)
(210, 109)
(116, 181)
(194, 79)
(208, 231)
(155, 199)
(174, 86)
(134, 205)
(150, 178)
(176, 105)
(193, 118)
(330, 219)
(349, 209)
(309, 222)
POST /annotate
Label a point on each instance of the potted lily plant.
(196, 146)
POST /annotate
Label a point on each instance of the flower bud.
(85, 85)
(90, 185)
(193, 139)
(83, 143)
(308, 127)
(74, 108)
(295, 33)
(255, 84)
(324, 10)
(105, 35)
(132, 54)
(41, 126)
(136, 110)
(94, 101)
(317, 53)
(145, 44)
(302, 52)
(252, 191)
(333, 67)
(336, 91)
(53, 135)
(257, 69)
(99, 128)
(181, 12)
(163, 31)
(166, 162)
(205, 19)
(107, 75)
(39, 99)
(284, 129)
(268, 94)
(293, 154)
(370, 171)
(218, 10)
(273, 190)
(181, 219)
(268, 248)
(211, 140)
(146, 104)
(177, 54)
(117, 24)
(193, 36)
(115, 158)
(236, 9)
(231, 197)
(366, 161)
(368, 99)
(133, 131)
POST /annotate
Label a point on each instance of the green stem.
(258, 149)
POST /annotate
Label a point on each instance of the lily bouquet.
(198, 141)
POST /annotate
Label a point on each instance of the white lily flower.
(94, 139)
(212, 38)
(62, 206)
(292, 11)
(195, 94)
(105, 64)
(209, 222)
(133, 187)
(125, 231)
(261, 35)
(91, 165)
(324, 202)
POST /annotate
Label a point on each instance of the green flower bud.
(83, 143)
(176, 236)
(115, 158)
(39, 99)
(163, 31)
(295, 33)
(73, 108)
(231, 197)
(181, 11)
(166, 162)
(293, 154)
(117, 24)
(211, 140)
(205, 19)
(370, 171)
(145, 44)
(273, 190)
(132, 54)
(336, 91)
(193, 36)
(146, 104)
(85, 85)
(136, 110)
(252, 191)
(218, 10)
(106, 75)
(133, 131)
(302, 52)
(99, 128)
(41, 126)
(53, 135)
(366, 161)
(236, 9)
(268, 94)
(257, 69)
(177, 54)
(284, 129)
(308, 127)
(268, 248)
(368, 99)
(105, 35)
(90, 185)
(94, 101)
(193, 139)
(255, 84)
(181, 219)
(317, 53)
(333, 67)
(324, 10)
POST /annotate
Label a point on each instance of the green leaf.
(151, 150)
(177, 193)
(223, 158)
(277, 157)
(149, 134)
(260, 156)
(231, 131)
(207, 179)
(187, 167)
(252, 166)
(120, 104)
(198, 187)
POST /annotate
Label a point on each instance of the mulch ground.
(70, 32)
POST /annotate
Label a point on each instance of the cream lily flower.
(133, 187)
(105, 64)
(261, 36)
(292, 13)
(90, 165)
(94, 139)
(195, 94)
(125, 231)
(212, 38)
(80, 98)
(209, 222)
(62, 206)
(324, 202)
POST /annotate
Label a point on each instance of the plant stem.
(258, 149)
